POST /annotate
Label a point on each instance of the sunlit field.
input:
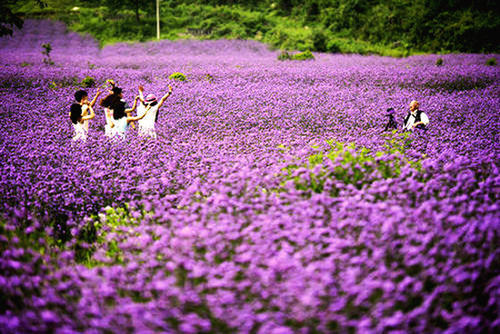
(272, 200)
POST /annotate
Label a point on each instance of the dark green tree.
(134, 5)
(8, 19)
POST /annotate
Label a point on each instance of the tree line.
(426, 25)
(430, 25)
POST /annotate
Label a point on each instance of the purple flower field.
(272, 200)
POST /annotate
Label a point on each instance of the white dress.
(108, 130)
(147, 124)
(121, 127)
(85, 112)
(80, 131)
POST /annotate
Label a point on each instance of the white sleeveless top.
(108, 130)
(147, 124)
(121, 126)
(85, 112)
(80, 132)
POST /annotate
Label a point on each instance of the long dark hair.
(112, 99)
(118, 110)
(75, 113)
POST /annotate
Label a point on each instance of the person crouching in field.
(82, 97)
(80, 121)
(416, 119)
(122, 117)
(150, 105)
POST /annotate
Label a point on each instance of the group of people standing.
(118, 115)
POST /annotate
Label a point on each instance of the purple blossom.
(203, 229)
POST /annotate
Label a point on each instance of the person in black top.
(416, 118)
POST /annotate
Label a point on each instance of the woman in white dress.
(121, 119)
(147, 123)
(114, 97)
(82, 97)
(79, 120)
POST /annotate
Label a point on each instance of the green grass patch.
(349, 164)
(96, 234)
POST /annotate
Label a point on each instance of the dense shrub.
(491, 61)
(306, 55)
(87, 82)
(47, 48)
(284, 55)
(178, 76)
(333, 46)
(320, 40)
(348, 164)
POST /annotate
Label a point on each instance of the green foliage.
(306, 55)
(439, 62)
(349, 164)
(348, 45)
(25, 64)
(64, 82)
(333, 46)
(53, 85)
(94, 235)
(109, 26)
(284, 55)
(394, 27)
(9, 19)
(178, 76)
(491, 61)
(320, 40)
(87, 82)
(47, 48)
(209, 77)
(288, 35)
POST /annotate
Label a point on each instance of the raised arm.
(141, 93)
(133, 106)
(137, 118)
(94, 100)
(162, 100)
(112, 85)
(92, 114)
